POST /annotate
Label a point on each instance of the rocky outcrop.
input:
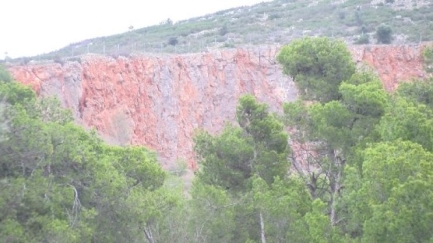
(159, 101)
(394, 64)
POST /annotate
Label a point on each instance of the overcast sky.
(31, 27)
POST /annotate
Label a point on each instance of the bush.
(223, 31)
(363, 39)
(173, 41)
(229, 45)
(274, 16)
(384, 34)
(342, 15)
(5, 76)
(364, 29)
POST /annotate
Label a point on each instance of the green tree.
(419, 91)
(257, 147)
(14, 93)
(283, 207)
(233, 159)
(320, 229)
(213, 214)
(318, 66)
(327, 135)
(59, 183)
(384, 34)
(393, 199)
(408, 121)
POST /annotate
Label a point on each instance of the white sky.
(31, 27)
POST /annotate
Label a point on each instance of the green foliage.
(384, 34)
(284, 205)
(345, 123)
(223, 30)
(361, 170)
(213, 215)
(363, 95)
(410, 115)
(418, 91)
(363, 39)
(173, 41)
(59, 183)
(228, 150)
(257, 147)
(408, 121)
(327, 136)
(319, 227)
(248, 166)
(394, 195)
(15, 93)
(5, 76)
(427, 57)
(318, 66)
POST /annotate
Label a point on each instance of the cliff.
(159, 101)
(394, 64)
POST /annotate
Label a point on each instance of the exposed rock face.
(394, 64)
(160, 101)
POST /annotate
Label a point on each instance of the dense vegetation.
(357, 166)
(59, 183)
(271, 23)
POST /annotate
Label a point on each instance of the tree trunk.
(149, 236)
(335, 187)
(262, 228)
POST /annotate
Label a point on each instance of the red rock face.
(394, 64)
(159, 101)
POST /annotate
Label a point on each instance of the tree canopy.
(318, 66)
(257, 146)
(60, 183)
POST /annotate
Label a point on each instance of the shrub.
(223, 31)
(5, 76)
(364, 29)
(229, 45)
(274, 16)
(362, 39)
(384, 34)
(342, 15)
(173, 41)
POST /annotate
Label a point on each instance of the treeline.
(355, 166)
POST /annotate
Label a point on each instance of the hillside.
(213, 130)
(268, 23)
(354, 166)
(159, 101)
